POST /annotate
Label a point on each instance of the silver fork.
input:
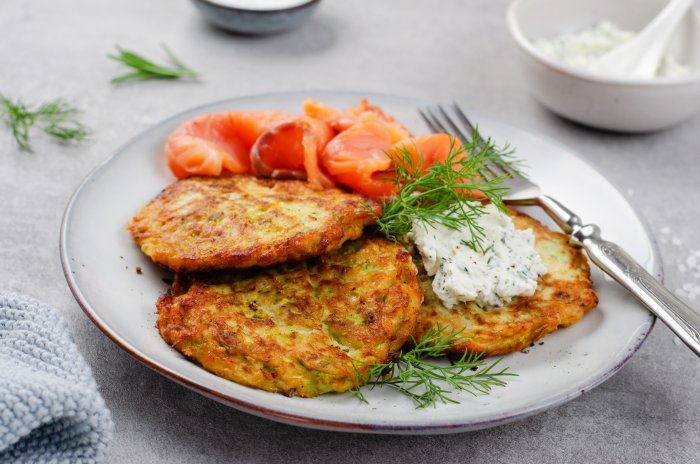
(608, 256)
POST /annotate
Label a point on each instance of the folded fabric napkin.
(50, 409)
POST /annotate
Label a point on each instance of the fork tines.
(439, 119)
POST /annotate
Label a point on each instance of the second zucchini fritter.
(562, 297)
(301, 329)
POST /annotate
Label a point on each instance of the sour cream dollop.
(509, 265)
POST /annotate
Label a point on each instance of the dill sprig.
(446, 192)
(428, 382)
(143, 68)
(57, 118)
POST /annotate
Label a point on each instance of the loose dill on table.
(446, 192)
(57, 118)
(427, 382)
(144, 69)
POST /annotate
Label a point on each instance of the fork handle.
(612, 259)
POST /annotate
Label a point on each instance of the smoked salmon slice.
(343, 120)
(363, 157)
(357, 156)
(291, 149)
(209, 144)
(427, 150)
(188, 156)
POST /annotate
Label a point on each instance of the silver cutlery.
(608, 256)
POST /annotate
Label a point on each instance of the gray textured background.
(649, 412)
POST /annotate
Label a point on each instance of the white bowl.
(613, 103)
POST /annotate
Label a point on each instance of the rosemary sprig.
(147, 69)
(57, 118)
(428, 382)
(444, 192)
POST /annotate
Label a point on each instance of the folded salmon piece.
(291, 150)
(217, 142)
(343, 120)
(362, 157)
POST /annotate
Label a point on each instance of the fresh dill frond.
(450, 193)
(57, 118)
(503, 157)
(143, 68)
(428, 382)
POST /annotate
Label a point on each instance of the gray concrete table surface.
(649, 412)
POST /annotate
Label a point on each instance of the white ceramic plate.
(99, 260)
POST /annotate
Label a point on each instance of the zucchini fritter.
(562, 297)
(204, 223)
(297, 328)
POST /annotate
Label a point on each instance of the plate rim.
(313, 422)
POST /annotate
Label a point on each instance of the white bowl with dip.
(612, 103)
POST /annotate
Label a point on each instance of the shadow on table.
(570, 125)
(314, 36)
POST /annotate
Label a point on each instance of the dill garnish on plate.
(426, 381)
(450, 192)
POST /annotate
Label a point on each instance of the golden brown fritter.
(562, 297)
(297, 328)
(203, 223)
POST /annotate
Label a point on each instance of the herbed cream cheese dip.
(582, 49)
(506, 266)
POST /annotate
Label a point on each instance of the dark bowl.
(255, 22)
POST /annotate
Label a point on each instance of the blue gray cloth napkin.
(50, 409)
